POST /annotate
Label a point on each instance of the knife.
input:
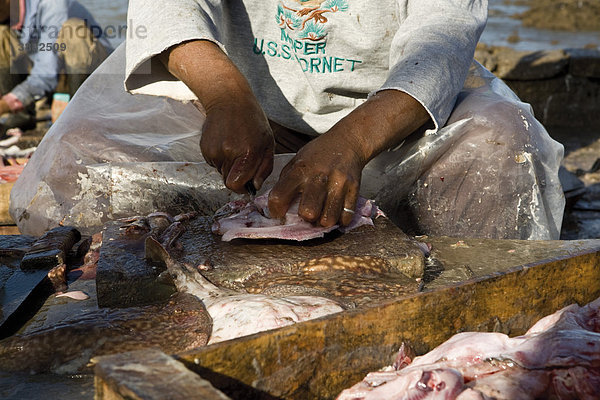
(249, 186)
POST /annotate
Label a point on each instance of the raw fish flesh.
(250, 220)
(239, 314)
(557, 358)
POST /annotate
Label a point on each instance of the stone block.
(149, 374)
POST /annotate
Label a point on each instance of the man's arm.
(429, 59)
(327, 170)
(236, 137)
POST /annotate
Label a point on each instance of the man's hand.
(10, 102)
(236, 136)
(237, 140)
(326, 172)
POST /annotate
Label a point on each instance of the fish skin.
(180, 324)
(244, 219)
(239, 314)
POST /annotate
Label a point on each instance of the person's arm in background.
(43, 76)
(429, 61)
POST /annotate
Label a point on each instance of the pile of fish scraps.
(557, 358)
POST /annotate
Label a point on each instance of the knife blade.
(249, 186)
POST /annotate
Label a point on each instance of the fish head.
(442, 383)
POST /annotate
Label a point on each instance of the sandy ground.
(568, 15)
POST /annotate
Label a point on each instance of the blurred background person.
(46, 46)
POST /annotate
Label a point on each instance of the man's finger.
(333, 204)
(350, 200)
(314, 194)
(283, 193)
(242, 170)
(263, 171)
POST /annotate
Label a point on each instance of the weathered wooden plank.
(5, 218)
(149, 375)
(18, 297)
(317, 359)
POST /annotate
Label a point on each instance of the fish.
(558, 357)
(75, 295)
(236, 314)
(67, 348)
(250, 219)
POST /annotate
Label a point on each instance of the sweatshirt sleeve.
(158, 25)
(432, 50)
(43, 76)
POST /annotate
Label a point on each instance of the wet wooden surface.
(150, 375)
(9, 230)
(123, 277)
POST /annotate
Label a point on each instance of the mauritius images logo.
(307, 19)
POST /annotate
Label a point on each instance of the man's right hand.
(236, 136)
(237, 140)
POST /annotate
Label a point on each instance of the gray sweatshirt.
(310, 63)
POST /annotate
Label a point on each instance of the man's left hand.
(10, 103)
(326, 173)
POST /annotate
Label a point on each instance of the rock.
(507, 63)
(584, 62)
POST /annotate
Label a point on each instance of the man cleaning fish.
(383, 101)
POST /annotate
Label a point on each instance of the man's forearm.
(207, 71)
(382, 122)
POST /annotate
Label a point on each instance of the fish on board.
(237, 314)
(558, 358)
(250, 219)
(66, 348)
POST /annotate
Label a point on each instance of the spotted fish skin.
(239, 314)
(181, 324)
